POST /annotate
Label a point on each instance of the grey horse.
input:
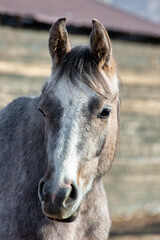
(55, 148)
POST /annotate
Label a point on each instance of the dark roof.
(79, 13)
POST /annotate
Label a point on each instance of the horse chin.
(67, 220)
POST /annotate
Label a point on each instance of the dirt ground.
(138, 237)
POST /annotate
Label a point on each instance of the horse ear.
(100, 43)
(59, 44)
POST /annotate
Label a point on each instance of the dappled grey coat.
(25, 153)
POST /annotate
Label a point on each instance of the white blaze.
(72, 99)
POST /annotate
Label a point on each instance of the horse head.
(79, 104)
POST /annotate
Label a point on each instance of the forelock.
(79, 65)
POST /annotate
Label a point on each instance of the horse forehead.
(73, 95)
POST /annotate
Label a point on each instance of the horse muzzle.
(61, 204)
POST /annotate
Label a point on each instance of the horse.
(55, 147)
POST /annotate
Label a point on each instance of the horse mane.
(79, 65)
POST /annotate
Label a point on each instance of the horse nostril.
(71, 196)
(74, 192)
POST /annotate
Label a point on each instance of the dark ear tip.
(60, 20)
(95, 22)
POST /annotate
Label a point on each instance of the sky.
(148, 9)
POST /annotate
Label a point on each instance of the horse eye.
(105, 113)
(40, 110)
